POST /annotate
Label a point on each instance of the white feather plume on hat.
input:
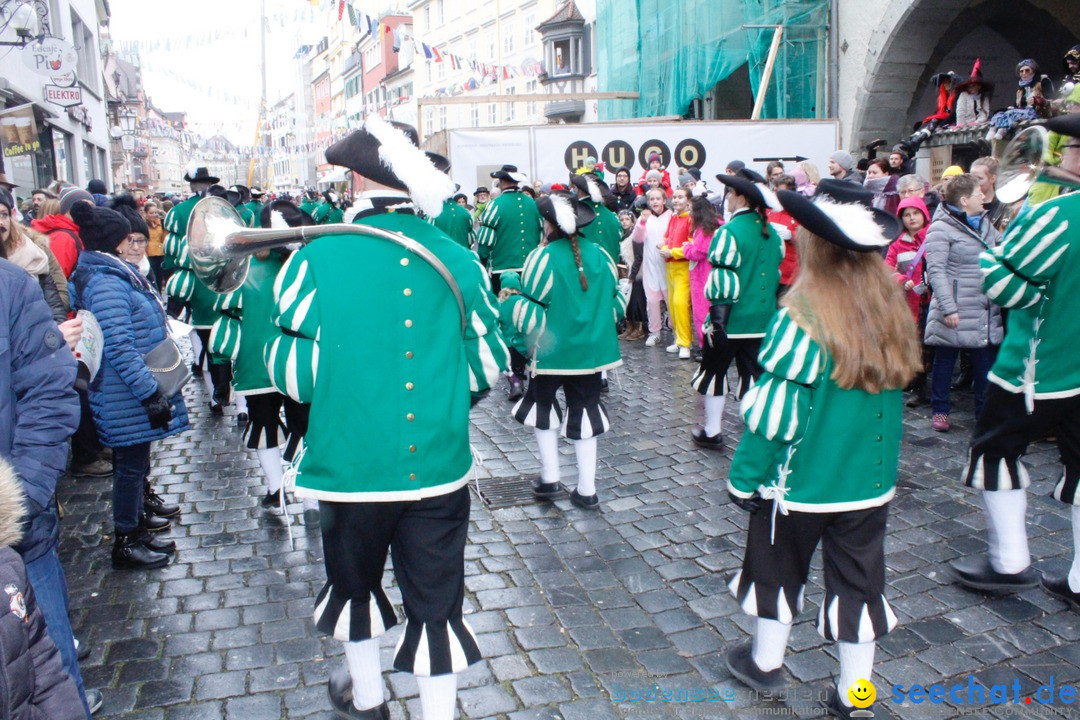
(855, 220)
(427, 186)
(595, 193)
(565, 217)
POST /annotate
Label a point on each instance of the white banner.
(549, 153)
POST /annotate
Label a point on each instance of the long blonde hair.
(851, 306)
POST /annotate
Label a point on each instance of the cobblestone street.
(571, 609)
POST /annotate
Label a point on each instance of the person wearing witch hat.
(241, 333)
(1034, 384)
(509, 228)
(973, 98)
(741, 291)
(185, 287)
(836, 358)
(606, 230)
(455, 221)
(387, 447)
(254, 206)
(327, 212)
(567, 309)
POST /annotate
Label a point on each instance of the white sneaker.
(684, 353)
(653, 339)
(672, 348)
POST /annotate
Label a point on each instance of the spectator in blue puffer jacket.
(34, 683)
(129, 409)
(38, 413)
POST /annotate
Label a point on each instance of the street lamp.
(25, 22)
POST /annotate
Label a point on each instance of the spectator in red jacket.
(787, 229)
(62, 231)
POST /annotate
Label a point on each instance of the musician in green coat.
(455, 221)
(327, 211)
(606, 230)
(255, 206)
(200, 299)
(387, 449)
(817, 463)
(509, 228)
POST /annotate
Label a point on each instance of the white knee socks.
(311, 504)
(548, 442)
(586, 466)
(770, 642)
(438, 695)
(1074, 573)
(196, 346)
(1006, 531)
(241, 403)
(856, 663)
(714, 413)
(270, 460)
(208, 383)
(366, 673)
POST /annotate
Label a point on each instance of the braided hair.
(577, 261)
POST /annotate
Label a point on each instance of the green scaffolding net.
(674, 53)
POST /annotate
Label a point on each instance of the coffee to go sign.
(63, 96)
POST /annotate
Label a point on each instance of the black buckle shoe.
(545, 491)
(517, 388)
(709, 442)
(216, 410)
(153, 523)
(166, 547)
(272, 500)
(129, 552)
(155, 505)
(585, 502)
(341, 694)
(740, 663)
(976, 572)
(1059, 586)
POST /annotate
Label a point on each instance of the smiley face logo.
(862, 693)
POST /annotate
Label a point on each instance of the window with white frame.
(438, 12)
(508, 108)
(442, 117)
(82, 37)
(529, 31)
(508, 34)
(475, 119)
(493, 113)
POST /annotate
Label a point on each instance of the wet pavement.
(576, 613)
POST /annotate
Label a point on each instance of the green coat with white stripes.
(370, 334)
(746, 273)
(244, 328)
(1035, 272)
(508, 230)
(831, 449)
(570, 331)
(183, 284)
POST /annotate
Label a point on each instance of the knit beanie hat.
(100, 229)
(843, 159)
(126, 206)
(654, 174)
(97, 187)
(69, 195)
(735, 166)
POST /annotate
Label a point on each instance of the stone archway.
(916, 36)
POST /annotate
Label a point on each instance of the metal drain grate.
(503, 492)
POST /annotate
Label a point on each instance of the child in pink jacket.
(905, 250)
(703, 224)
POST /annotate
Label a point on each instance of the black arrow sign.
(797, 158)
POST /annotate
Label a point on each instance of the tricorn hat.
(753, 187)
(283, 213)
(389, 153)
(1068, 124)
(843, 214)
(589, 184)
(245, 193)
(257, 192)
(197, 173)
(510, 173)
(567, 214)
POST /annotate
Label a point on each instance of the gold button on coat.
(408, 355)
(408, 292)
(412, 448)
(408, 323)
(404, 261)
(410, 417)
(412, 476)
(408, 386)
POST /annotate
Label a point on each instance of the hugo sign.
(51, 57)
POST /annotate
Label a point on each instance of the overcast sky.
(202, 56)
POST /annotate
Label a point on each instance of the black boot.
(153, 523)
(165, 547)
(221, 376)
(154, 505)
(517, 388)
(130, 552)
